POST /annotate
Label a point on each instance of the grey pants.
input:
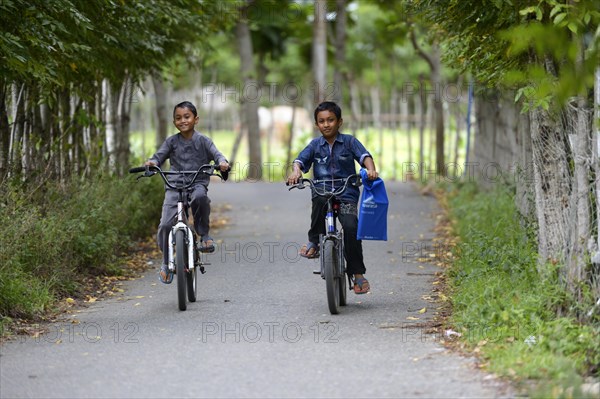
(200, 204)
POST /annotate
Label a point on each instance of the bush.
(57, 234)
(502, 304)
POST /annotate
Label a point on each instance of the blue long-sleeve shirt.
(334, 162)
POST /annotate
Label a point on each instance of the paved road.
(261, 327)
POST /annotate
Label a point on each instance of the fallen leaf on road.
(412, 318)
(137, 304)
(422, 311)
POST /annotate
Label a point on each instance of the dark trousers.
(347, 217)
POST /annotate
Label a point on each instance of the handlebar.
(302, 183)
(208, 169)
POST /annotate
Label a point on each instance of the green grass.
(504, 307)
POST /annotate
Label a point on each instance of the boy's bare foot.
(309, 250)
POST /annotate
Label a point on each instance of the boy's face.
(184, 120)
(328, 124)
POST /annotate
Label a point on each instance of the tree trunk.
(552, 187)
(438, 105)
(596, 168)
(421, 112)
(4, 131)
(434, 61)
(162, 113)
(123, 117)
(319, 51)
(288, 159)
(250, 108)
(110, 113)
(376, 113)
(340, 50)
(581, 156)
(355, 108)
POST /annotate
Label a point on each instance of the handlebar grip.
(225, 174)
(137, 169)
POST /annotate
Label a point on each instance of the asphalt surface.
(261, 326)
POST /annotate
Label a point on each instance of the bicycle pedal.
(202, 270)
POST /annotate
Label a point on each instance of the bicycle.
(185, 260)
(332, 261)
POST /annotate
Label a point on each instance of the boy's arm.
(217, 156)
(160, 156)
(371, 170)
(296, 174)
(301, 164)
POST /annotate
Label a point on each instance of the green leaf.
(559, 18)
(572, 27)
(528, 10)
(538, 14)
(556, 9)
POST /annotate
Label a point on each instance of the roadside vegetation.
(56, 236)
(523, 325)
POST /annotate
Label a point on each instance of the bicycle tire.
(342, 273)
(330, 260)
(181, 256)
(192, 283)
(343, 287)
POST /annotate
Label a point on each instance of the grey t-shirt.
(188, 154)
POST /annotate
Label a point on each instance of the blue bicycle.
(333, 263)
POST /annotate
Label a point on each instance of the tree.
(548, 52)
(73, 60)
(249, 106)
(319, 50)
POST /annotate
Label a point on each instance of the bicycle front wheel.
(332, 282)
(181, 257)
(192, 283)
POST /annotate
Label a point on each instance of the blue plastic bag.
(372, 210)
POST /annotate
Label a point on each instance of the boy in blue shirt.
(186, 150)
(333, 155)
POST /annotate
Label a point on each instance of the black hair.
(188, 105)
(328, 106)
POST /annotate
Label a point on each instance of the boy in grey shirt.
(186, 150)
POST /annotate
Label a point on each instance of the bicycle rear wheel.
(181, 257)
(332, 282)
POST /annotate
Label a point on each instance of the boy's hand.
(150, 163)
(372, 174)
(294, 177)
(224, 166)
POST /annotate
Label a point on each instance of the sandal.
(361, 286)
(165, 275)
(306, 249)
(207, 245)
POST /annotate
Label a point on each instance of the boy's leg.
(317, 219)
(200, 204)
(352, 247)
(169, 213)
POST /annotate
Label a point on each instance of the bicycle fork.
(189, 244)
